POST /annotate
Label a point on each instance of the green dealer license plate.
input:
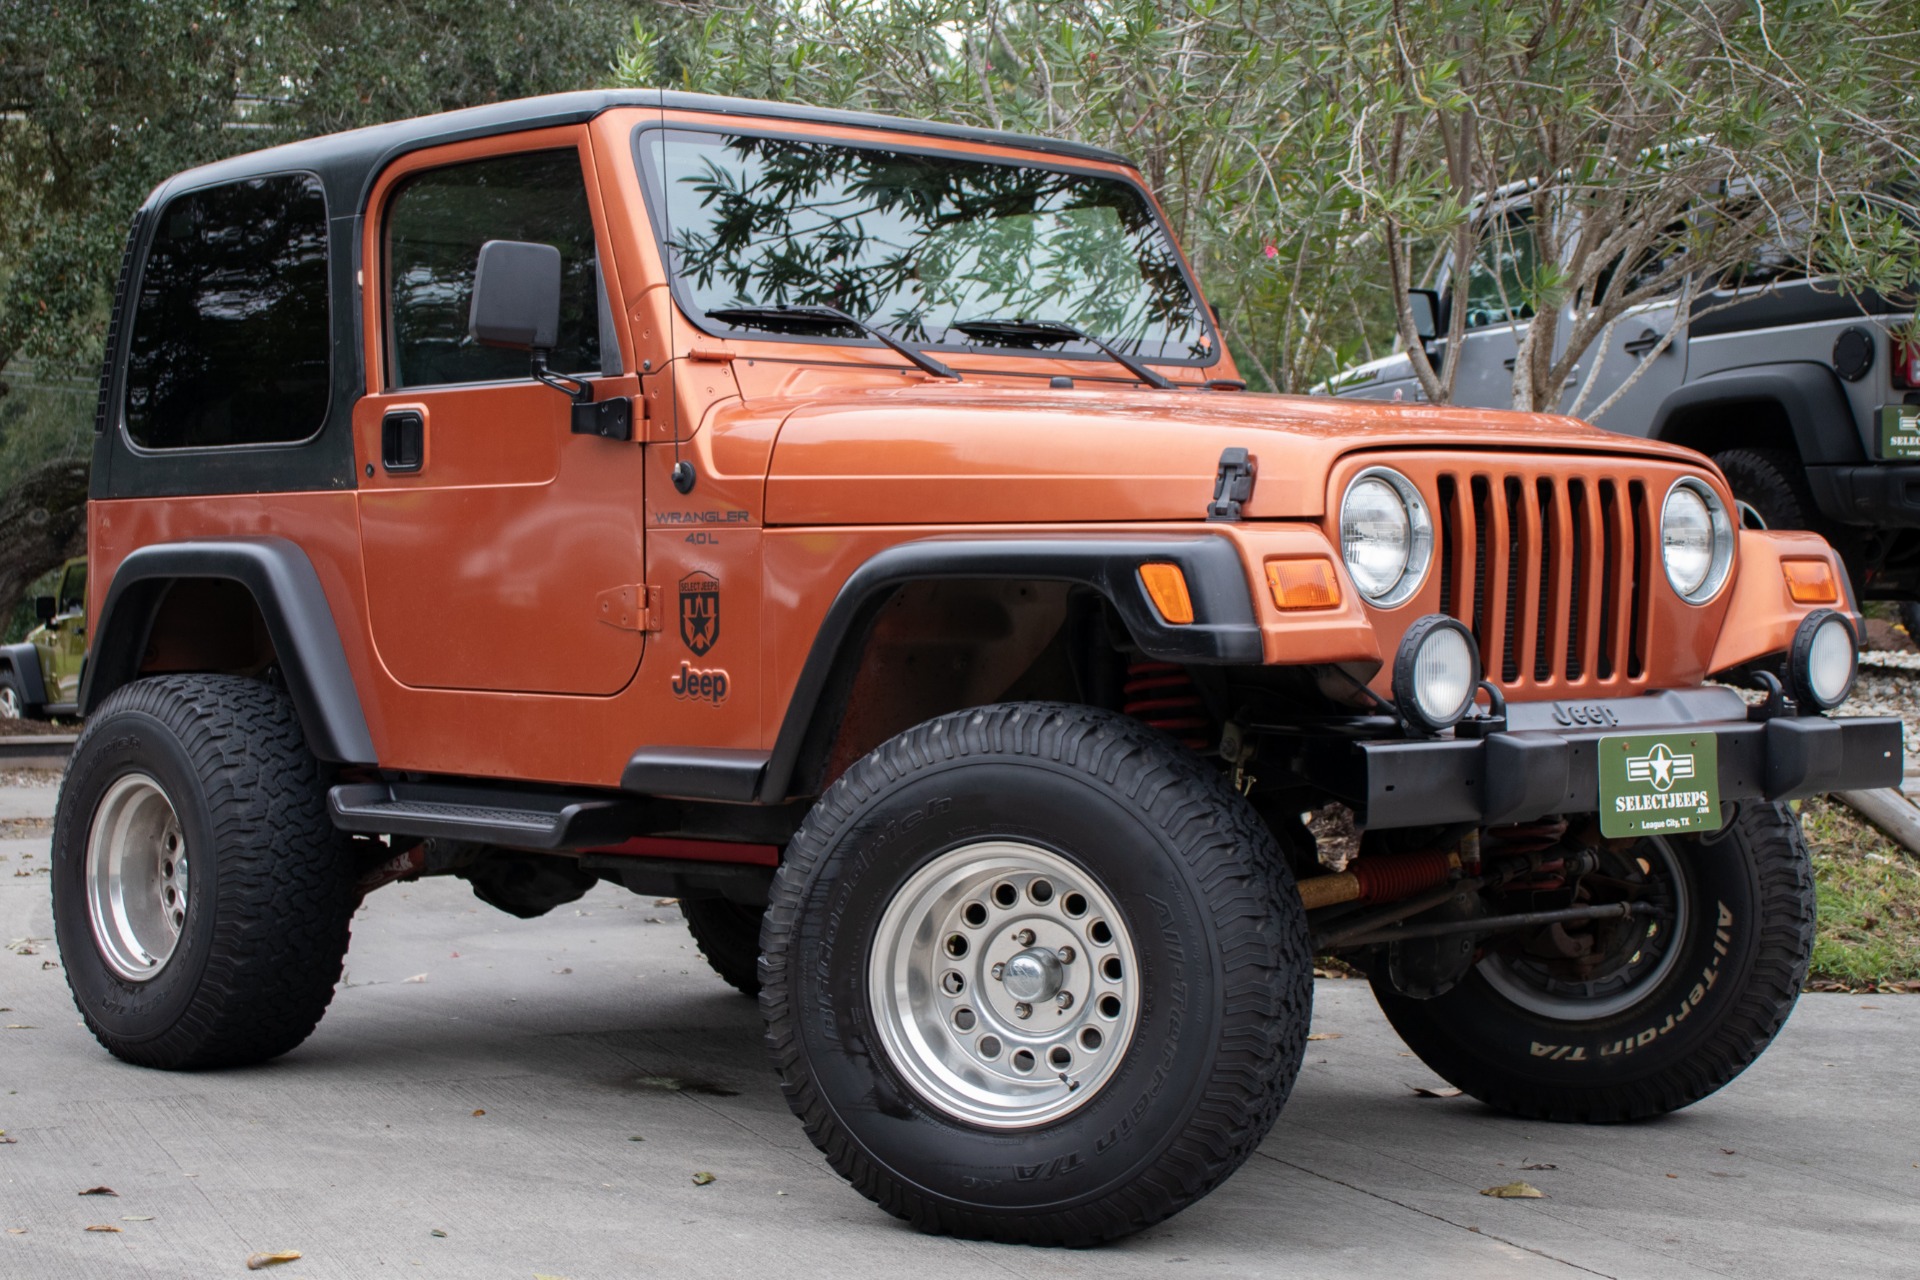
(1900, 431)
(1659, 784)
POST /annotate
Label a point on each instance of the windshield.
(918, 244)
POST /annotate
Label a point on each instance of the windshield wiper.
(1028, 332)
(820, 316)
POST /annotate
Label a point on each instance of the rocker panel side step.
(516, 819)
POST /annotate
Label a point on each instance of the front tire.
(12, 705)
(201, 896)
(1623, 1047)
(1034, 973)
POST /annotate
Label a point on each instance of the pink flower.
(1271, 250)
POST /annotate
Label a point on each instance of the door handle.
(1646, 342)
(403, 440)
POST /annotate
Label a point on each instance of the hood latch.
(1233, 485)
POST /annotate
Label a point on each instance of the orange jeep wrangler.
(855, 527)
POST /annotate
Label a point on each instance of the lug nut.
(1024, 937)
(1066, 955)
(1023, 1010)
(1065, 1000)
(998, 969)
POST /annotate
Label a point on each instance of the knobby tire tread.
(284, 882)
(1245, 886)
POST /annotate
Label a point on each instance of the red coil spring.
(1527, 837)
(1163, 695)
(1388, 877)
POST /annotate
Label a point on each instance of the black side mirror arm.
(576, 390)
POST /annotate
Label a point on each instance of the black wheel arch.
(1809, 410)
(286, 591)
(1225, 630)
(22, 662)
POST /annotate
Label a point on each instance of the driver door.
(498, 546)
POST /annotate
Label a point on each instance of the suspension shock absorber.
(1163, 695)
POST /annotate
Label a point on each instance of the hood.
(960, 454)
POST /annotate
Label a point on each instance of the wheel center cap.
(1034, 974)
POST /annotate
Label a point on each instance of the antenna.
(683, 476)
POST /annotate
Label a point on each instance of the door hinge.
(634, 608)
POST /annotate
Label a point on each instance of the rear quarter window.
(230, 342)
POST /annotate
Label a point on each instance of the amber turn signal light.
(1811, 581)
(1303, 584)
(1167, 588)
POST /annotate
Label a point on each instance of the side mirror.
(516, 296)
(1425, 304)
(45, 608)
(516, 304)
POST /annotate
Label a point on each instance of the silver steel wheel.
(136, 877)
(1004, 984)
(1643, 956)
(11, 708)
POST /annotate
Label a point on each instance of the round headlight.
(1436, 672)
(1824, 659)
(1386, 536)
(1696, 539)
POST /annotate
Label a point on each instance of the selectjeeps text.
(855, 527)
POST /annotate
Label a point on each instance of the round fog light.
(1824, 659)
(1436, 672)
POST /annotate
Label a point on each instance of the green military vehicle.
(40, 676)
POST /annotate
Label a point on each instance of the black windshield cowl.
(813, 318)
(1034, 333)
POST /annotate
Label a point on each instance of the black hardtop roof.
(348, 161)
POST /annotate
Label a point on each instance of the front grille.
(1546, 571)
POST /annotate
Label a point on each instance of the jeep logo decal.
(1588, 713)
(701, 686)
(700, 611)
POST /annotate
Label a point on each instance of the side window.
(73, 590)
(1501, 273)
(230, 341)
(436, 223)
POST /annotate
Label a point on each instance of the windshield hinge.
(634, 608)
(1233, 485)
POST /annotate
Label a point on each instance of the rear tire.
(201, 896)
(12, 705)
(1078, 836)
(1771, 487)
(1738, 965)
(728, 935)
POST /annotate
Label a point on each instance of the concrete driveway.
(486, 1078)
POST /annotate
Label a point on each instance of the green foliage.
(100, 100)
(1198, 92)
(1869, 891)
(1316, 158)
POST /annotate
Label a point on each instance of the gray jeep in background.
(1806, 396)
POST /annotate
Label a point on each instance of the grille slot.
(1545, 571)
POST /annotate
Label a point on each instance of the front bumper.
(1546, 762)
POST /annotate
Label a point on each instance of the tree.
(1198, 92)
(100, 100)
(1661, 144)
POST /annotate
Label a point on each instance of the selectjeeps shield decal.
(1659, 784)
(700, 611)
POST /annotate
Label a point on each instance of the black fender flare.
(1808, 393)
(23, 661)
(286, 590)
(1225, 630)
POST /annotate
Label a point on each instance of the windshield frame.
(647, 175)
